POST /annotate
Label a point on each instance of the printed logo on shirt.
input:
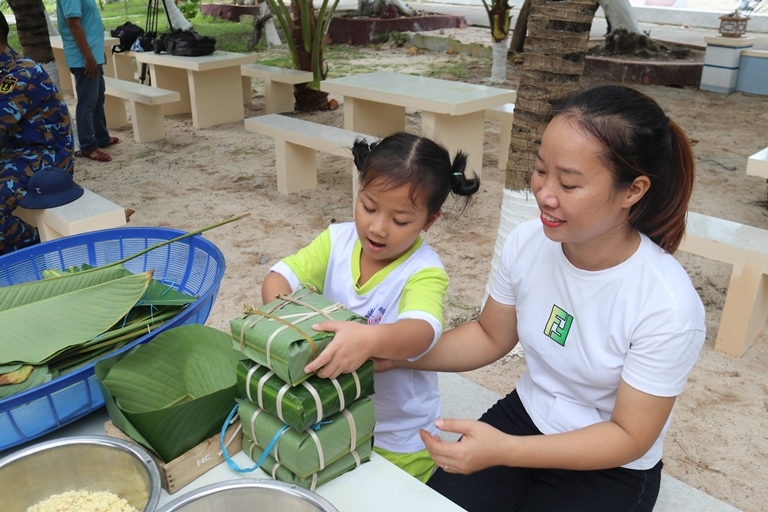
(374, 315)
(558, 325)
(8, 84)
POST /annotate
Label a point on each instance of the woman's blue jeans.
(91, 120)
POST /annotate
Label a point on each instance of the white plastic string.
(260, 388)
(248, 378)
(318, 445)
(280, 395)
(352, 429)
(316, 396)
(339, 392)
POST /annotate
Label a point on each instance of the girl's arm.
(635, 424)
(274, 284)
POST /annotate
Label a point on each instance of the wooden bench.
(505, 115)
(757, 164)
(746, 302)
(296, 145)
(90, 212)
(145, 104)
(278, 85)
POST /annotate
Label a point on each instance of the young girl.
(379, 267)
(609, 321)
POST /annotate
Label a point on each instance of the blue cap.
(50, 187)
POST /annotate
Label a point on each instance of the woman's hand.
(345, 354)
(478, 448)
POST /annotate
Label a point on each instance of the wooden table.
(67, 84)
(210, 86)
(376, 486)
(452, 113)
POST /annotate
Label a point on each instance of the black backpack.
(128, 33)
(185, 42)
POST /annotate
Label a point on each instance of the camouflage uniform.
(35, 132)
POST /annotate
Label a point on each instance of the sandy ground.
(719, 439)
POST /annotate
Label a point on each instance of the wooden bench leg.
(148, 123)
(505, 139)
(279, 97)
(745, 311)
(247, 90)
(114, 110)
(296, 167)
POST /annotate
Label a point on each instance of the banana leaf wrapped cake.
(311, 401)
(279, 334)
(348, 462)
(309, 451)
(311, 457)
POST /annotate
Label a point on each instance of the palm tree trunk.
(556, 46)
(516, 45)
(308, 99)
(498, 17)
(499, 66)
(32, 28)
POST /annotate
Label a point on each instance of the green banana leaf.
(174, 392)
(43, 325)
(157, 293)
(39, 375)
(33, 291)
(5, 368)
(16, 376)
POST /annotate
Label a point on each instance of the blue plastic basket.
(193, 265)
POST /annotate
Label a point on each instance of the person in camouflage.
(35, 132)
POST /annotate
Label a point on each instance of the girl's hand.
(345, 354)
(477, 449)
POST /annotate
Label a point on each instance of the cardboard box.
(186, 467)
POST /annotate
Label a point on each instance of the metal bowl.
(88, 463)
(250, 495)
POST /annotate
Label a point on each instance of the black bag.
(128, 33)
(187, 43)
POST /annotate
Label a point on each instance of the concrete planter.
(347, 28)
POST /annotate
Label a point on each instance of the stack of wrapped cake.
(301, 428)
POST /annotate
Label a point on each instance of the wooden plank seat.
(296, 145)
(278, 85)
(505, 115)
(145, 104)
(746, 302)
(89, 212)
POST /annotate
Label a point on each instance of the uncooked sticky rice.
(83, 501)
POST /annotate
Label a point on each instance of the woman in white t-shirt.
(609, 321)
(380, 267)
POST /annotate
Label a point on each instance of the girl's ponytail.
(460, 184)
(360, 151)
